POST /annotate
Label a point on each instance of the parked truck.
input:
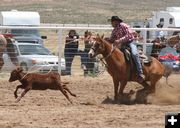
(22, 18)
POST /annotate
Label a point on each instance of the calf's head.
(15, 74)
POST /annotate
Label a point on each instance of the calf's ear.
(19, 69)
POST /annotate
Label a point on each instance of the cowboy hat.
(115, 18)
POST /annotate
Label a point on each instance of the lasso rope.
(34, 71)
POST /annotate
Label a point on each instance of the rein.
(104, 58)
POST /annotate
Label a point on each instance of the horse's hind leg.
(67, 89)
(153, 84)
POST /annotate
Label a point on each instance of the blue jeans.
(136, 58)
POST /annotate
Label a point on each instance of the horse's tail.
(167, 73)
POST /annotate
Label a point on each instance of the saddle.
(144, 58)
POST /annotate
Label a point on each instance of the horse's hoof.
(116, 100)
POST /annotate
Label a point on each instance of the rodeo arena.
(72, 75)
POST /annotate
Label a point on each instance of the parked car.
(29, 39)
(170, 57)
(26, 36)
(35, 57)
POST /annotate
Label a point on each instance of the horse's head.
(97, 46)
(15, 74)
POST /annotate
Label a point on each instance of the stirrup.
(141, 78)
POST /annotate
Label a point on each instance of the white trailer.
(170, 18)
(23, 18)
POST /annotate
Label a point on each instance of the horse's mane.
(109, 44)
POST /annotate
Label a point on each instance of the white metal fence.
(56, 34)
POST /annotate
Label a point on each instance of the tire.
(24, 67)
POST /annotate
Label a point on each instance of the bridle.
(106, 57)
(112, 50)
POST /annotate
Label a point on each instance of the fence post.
(59, 49)
(144, 40)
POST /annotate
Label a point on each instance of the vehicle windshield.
(33, 50)
(19, 32)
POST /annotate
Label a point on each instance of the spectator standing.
(160, 34)
(71, 49)
(158, 42)
(87, 63)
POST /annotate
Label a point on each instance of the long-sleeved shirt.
(122, 32)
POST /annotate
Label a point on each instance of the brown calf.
(29, 81)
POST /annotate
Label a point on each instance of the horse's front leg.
(123, 85)
(116, 86)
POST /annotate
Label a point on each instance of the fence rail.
(60, 31)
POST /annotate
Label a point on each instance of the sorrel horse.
(7, 44)
(119, 69)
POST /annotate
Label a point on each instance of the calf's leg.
(65, 87)
(64, 92)
(23, 93)
(15, 92)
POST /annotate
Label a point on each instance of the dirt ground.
(92, 108)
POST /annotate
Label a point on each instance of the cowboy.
(123, 34)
